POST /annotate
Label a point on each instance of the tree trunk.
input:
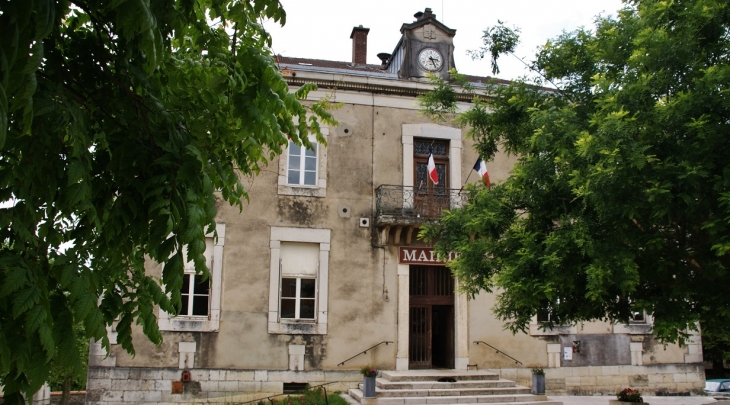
(66, 395)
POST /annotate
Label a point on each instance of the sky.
(320, 29)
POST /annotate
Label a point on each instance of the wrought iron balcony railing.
(412, 203)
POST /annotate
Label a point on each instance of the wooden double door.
(431, 317)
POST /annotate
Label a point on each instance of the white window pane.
(310, 178)
(293, 177)
(299, 258)
(294, 162)
(294, 149)
(310, 163)
(312, 152)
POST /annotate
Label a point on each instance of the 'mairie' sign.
(422, 255)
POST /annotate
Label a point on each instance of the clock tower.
(426, 47)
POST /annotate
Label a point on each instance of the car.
(718, 386)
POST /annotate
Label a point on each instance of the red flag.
(432, 170)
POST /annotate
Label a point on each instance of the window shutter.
(210, 289)
(316, 292)
(278, 311)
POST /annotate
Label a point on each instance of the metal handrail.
(269, 398)
(365, 351)
(498, 351)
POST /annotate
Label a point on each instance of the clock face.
(430, 59)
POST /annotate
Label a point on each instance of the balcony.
(400, 208)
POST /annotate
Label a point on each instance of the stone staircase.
(416, 387)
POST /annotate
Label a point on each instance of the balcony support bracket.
(409, 234)
(384, 235)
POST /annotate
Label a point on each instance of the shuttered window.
(299, 271)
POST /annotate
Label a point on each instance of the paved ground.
(603, 400)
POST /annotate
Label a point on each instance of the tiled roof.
(331, 64)
(485, 79)
(328, 64)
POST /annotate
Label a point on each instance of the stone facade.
(310, 274)
(658, 379)
(129, 385)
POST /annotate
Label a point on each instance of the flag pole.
(466, 181)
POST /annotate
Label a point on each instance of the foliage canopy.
(620, 197)
(120, 123)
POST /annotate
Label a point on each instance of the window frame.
(202, 323)
(318, 190)
(303, 163)
(299, 326)
(298, 298)
(191, 293)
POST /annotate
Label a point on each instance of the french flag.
(481, 168)
(432, 169)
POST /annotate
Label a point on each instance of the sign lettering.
(423, 255)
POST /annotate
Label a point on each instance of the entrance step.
(428, 387)
(444, 391)
(435, 375)
(521, 399)
(424, 385)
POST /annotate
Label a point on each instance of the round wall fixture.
(344, 211)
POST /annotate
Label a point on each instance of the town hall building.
(322, 272)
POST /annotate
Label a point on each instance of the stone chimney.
(428, 13)
(359, 38)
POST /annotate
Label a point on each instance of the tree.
(67, 377)
(620, 198)
(122, 123)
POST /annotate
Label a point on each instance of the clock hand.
(432, 61)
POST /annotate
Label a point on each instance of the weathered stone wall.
(243, 356)
(131, 385)
(658, 379)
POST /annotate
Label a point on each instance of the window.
(445, 144)
(298, 280)
(638, 317)
(303, 171)
(195, 292)
(640, 323)
(544, 315)
(299, 265)
(297, 298)
(302, 167)
(440, 150)
(547, 314)
(200, 298)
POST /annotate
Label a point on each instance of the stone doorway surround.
(461, 326)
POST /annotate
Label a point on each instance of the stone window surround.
(320, 190)
(212, 322)
(303, 235)
(431, 131)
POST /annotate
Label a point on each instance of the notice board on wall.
(596, 350)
